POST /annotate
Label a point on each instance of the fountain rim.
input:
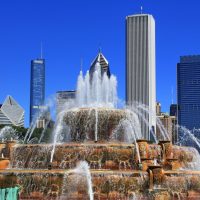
(164, 141)
(78, 144)
(2, 159)
(142, 140)
(64, 171)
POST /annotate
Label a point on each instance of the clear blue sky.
(71, 29)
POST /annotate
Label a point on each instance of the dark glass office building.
(188, 91)
(173, 110)
(37, 90)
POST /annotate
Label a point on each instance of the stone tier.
(107, 184)
(98, 155)
(113, 156)
(93, 123)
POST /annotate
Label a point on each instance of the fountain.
(98, 153)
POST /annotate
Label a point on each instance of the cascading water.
(95, 90)
(50, 103)
(96, 125)
(162, 129)
(8, 133)
(144, 108)
(84, 169)
(142, 117)
(57, 132)
(187, 136)
(44, 130)
(131, 130)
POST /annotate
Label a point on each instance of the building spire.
(172, 95)
(99, 49)
(141, 10)
(41, 50)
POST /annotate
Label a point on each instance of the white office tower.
(11, 113)
(140, 67)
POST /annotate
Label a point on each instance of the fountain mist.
(84, 169)
(93, 90)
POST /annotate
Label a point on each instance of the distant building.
(37, 90)
(62, 97)
(158, 108)
(169, 123)
(44, 120)
(140, 67)
(104, 65)
(11, 113)
(173, 115)
(173, 109)
(188, 91)
(174, 129)
(166, 121)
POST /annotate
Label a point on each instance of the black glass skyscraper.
(173, 110)
(188, 91)
(37, 90)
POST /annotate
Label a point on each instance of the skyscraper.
(173, 110)
(140, 66)
(62, 97)
(167, 122)
(11, 113)
(188, 91)
(103, 62)
(158, 108)
(37, 90)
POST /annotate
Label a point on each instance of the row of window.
(189, 107)
(192, 82)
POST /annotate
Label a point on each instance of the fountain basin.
(172, 164)
(98, 155)
(107, 184)
(146, 162)
(84, 123)
(4, 163)
(143, 148)
(2, 145)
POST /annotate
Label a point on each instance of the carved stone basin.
(4, 163)
(83, 123)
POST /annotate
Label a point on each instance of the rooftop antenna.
(100, 48)
(172, 95)
(41, 51)
(141, 10)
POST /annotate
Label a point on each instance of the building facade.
(169, 123)
(158, 108)
(173, 109)
(37, 89)
(166, 121)
(140, 66)
(44, 120)
(62, 97)
(173, 115)
(104, 65)
(188, 91)
(11, 113)
(174, 129)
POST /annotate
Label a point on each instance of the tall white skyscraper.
(140, 66)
